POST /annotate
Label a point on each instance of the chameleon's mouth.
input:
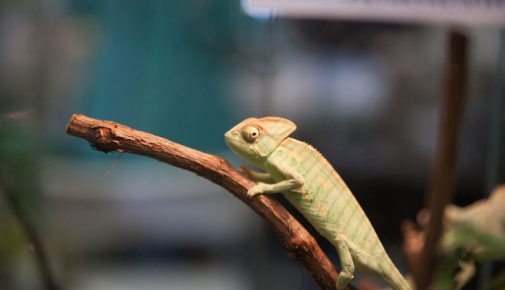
(232, 139)
(229, 144)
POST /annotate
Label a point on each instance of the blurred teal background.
(365, 94)
(161, 64)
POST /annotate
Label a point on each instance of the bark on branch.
(109, 136)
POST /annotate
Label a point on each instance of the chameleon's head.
(254, 139)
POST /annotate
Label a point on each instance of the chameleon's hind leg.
(373, 264)
(364, 260)
(347, 272)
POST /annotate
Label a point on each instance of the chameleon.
(310, 183)
(473, 233)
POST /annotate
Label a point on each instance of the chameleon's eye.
(250, 134)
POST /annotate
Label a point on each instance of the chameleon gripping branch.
(107, 136)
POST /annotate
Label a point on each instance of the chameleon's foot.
(344, 278)
(257, 189)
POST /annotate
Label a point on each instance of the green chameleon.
(309, 182)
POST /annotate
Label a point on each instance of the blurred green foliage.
(18, 167)
(19, 162)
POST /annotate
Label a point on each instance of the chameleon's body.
(309, 182)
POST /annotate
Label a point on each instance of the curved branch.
(108, 136)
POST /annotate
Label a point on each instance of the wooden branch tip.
(108, 136)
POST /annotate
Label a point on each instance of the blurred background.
(365, 94)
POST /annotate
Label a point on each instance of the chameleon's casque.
(309, 182)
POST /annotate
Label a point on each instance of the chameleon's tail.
(393, 277)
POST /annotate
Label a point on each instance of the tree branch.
(108, 136)
(443, 178)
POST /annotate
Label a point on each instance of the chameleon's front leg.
(285, 185)
(293, 182)
(257, 176)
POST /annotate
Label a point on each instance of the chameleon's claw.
(255, 190)
(251, 193)
(344, 279)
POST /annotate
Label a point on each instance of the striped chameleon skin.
(309, 182)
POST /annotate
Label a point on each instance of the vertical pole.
(441, 183)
